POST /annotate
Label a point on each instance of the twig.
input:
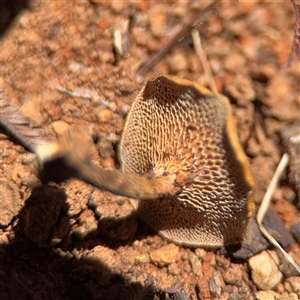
(204, 61)
(265, 205)
(73, 94)
(185, 30)
(120, 39)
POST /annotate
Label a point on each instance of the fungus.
(177, 127)
(180, 157)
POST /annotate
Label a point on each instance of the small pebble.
(142, 258)
(292, 285)
(174, 269)
(10, 201)
(165, 255)
(87, 224)
(200, 252)
(264, 270)
(104, 115)
(216, 284)
(178, 62)
(266, 295)
(233, 275)
(28, 158)
(108, 163)
(195, 263)
(60, 126)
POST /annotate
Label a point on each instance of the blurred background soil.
(61, 63)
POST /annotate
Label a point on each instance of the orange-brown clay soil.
(60, 65)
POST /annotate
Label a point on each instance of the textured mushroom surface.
(178, 127)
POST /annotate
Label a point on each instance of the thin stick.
(265, 205)
(185, 30)
(204, 61)
(271, 188)
(73, 94)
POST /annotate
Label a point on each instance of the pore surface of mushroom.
(177, 127)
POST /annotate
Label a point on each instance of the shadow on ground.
(8, 12)
(35, 269)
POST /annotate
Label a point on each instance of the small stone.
(106, 148)
(186, 267)
(28, 158)
(104, 115)
(210, 257)
(118, 6)
(79, 194)
(29, 179)
(233, 275)
(4, 240)
(224, 296)
(158, 20)
(204, 292)
(136, 244)
(266, 295)
(207, 269)
(277, 88)
(196, 264)
(127, 258)
(200, 252)
(142, 258)
(178, 62)
(108, 163)
(165, 255)
(10, 201)
(234, 62)
(215, 285)
(174, 269)
(223, 261)
(87, 224)
(265, 272)
(103, 254)
(292, 285)
(31, 108)
(60, 126)
(288, 296)
(184, 256)
(140, 36)
(242, 89)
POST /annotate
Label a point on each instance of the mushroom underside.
(176, 128)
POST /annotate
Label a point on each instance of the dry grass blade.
(184, 31)
(265, 205)
(295, 51)
(204, 61)
(21, 128)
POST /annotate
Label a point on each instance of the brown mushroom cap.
(178, 127)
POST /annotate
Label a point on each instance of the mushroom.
(177, 127)
(180, 157)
